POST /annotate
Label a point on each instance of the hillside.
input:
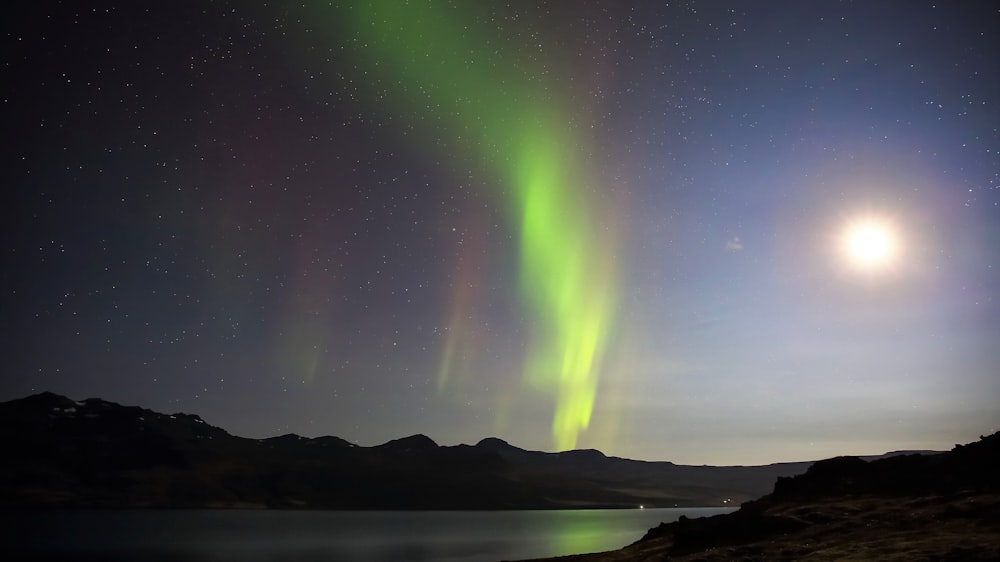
(92, 453)
(905, 508)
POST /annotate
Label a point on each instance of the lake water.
(327, 536)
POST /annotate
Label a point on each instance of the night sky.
(705, 232)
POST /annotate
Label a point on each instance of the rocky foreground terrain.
(942, 507)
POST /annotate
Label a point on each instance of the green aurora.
(431, 58)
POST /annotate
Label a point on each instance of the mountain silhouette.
(95, 453)
(901, 507)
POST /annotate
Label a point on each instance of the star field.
(565, 224)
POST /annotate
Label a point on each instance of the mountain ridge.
(95, 453)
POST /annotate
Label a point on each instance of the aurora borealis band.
(627, 226)
(566, 276)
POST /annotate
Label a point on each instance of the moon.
(870, 245)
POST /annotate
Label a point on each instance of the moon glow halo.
(870, 245)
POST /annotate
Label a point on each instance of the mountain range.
(59, 452)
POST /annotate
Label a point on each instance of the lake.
(328, 536)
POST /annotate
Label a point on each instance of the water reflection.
(322, 536)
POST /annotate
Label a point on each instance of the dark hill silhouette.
(61, 452)
(901, 507)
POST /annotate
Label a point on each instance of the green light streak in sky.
(446, 69)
